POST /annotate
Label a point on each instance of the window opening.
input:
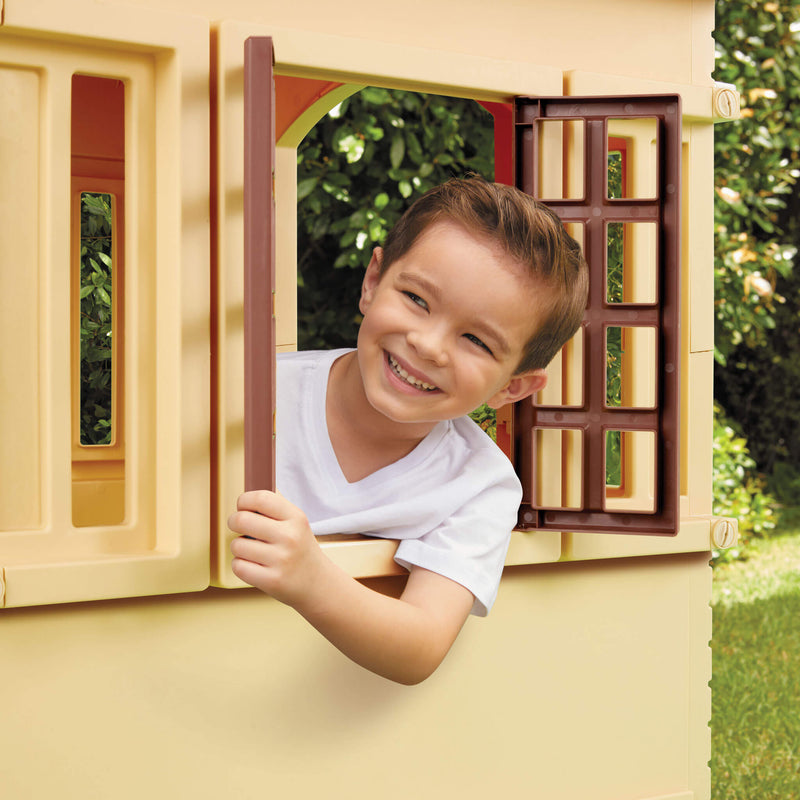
(634, 143)
(630, 356)
(359, 168)
(630, 447)
(554, 488)
(561, 175)
(97, 277)
(96, 314)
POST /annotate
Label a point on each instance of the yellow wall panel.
(20, 303)
(576, 686)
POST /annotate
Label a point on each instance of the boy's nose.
(431, 345)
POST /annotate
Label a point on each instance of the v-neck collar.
(319, 424)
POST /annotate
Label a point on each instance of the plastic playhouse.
(133, 662)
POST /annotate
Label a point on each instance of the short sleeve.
(470, 546)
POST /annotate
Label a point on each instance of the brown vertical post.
(259, 265)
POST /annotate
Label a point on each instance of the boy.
(474, 291)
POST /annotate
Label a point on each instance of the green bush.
(739, 491)
(358, 169)
(756, 167)
(757, 228)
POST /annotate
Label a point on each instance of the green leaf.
(305, 187)
(398, 151)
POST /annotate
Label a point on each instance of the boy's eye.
(415, 298)
(478, 342)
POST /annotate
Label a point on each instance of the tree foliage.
(739, 491)
(757, 165)
(95, 319)
(358, 169)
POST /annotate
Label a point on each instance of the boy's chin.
(397, 413)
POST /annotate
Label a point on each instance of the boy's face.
(444, 328)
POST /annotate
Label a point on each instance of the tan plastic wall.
(586, 681)
(589, 680)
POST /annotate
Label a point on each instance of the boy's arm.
(402, 639)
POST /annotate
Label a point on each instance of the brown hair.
(527, 230)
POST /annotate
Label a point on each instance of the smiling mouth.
(411, 381)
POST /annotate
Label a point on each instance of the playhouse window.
(97, 298)
(91, 131)
(597, 449)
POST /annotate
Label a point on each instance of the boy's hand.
(281, 556)
(402, 639)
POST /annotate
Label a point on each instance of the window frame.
(162, 544)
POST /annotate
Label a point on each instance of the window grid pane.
(657, 416)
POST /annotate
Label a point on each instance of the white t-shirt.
(451, 502)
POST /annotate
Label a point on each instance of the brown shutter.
(588, 421)
(259, 264)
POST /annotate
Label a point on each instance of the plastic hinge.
(724, 532)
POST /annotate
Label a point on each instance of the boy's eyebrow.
(499, 342)
(423, 283)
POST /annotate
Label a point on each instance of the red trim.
(293, 96)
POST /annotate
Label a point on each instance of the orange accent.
(98, 127)
(293, 96)
(503, 115)
(505, 430)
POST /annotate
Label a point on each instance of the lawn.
(755, 720)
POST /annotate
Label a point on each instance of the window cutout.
(376, 136)
(561, 173)
(613, 460)
(631, 264)
(565, 373)
(630, 367)
(96, 313)
(565, 376)
(98, 189)
(632, 158)
(558, 480)
(630, 471)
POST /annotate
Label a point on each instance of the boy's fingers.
(249, 549)
(269, 504)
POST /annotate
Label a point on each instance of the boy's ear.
(371, 279)
(518, 388)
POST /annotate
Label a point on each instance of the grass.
(755, 721)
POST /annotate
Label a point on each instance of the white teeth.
(398, 370)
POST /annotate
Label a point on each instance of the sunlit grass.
(756, 686)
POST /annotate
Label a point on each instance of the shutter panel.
(259, 264)
(638, 328)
